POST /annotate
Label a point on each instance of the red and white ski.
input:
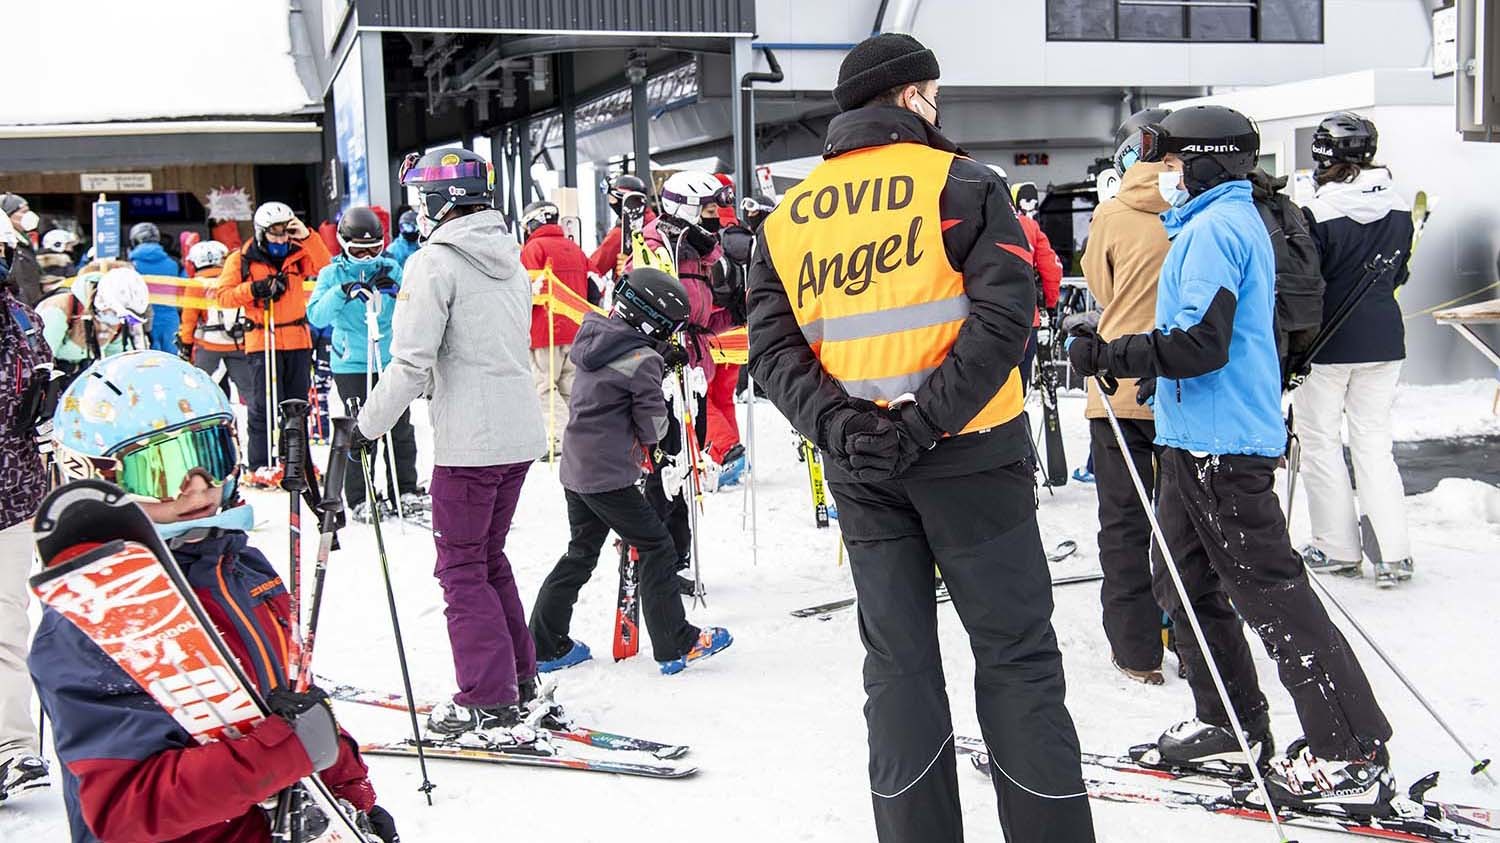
(108, 573)
(628, 607)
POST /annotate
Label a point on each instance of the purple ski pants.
(472, 509)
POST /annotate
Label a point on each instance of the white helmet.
(269, 214)
(121, 295)
(207, 253)
(684, 194)
(58, 240)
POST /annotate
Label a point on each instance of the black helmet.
(408, 223)
(626, 183)
(1216, 144)
(1128, 136)
(1344, 138)
(144, 232)
(540, 213)
(360, 228)
(652, 302)
(445, 179)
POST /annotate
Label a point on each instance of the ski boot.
(1389, 574)
(499, 726)
(1196, 745)
(1318, 561)
(363, 512)
(732, 467)
(1083, 475)
(1361, 787)
(416, 500)
(1145, 677)
(21, 774)
(710, 641)
(576, 655)
(541, 710)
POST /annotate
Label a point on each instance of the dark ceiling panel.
(667, 16)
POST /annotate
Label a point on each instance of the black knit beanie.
(880, 63)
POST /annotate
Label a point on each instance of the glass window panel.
(1217, 23)
(1291, 20)
(1151, 23)
(1081, 20)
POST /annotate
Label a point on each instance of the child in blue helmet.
(356, 297)
(163, 431)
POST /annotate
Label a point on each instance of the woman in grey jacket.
(461, 334)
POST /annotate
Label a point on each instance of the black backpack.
(1299, 275)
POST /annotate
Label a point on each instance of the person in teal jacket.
(361, 282)
(1217, 384)
(406, 244)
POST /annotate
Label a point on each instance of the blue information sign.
(106, 230)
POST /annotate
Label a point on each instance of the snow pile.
(88, 61)
(1466, 408)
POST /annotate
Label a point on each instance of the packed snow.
(167, 58)
(775, 721)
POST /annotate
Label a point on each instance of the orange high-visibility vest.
(859, 247)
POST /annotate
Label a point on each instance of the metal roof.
(594, 17)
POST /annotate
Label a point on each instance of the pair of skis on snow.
(1229, 792)
(807, 453)
(1064, 549)
(614, 753)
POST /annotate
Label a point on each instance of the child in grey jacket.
(616, 416)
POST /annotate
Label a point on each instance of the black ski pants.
(403, 441)
(293, 376)
(1224, 526)
(590, 518)
(981, 531)
(1132, 620)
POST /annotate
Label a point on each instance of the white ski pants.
(1362, 395)
(17, 732)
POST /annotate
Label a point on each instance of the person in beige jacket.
(1122, 261)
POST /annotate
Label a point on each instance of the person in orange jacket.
(1043, 259)
(216, 335)
(265, 276)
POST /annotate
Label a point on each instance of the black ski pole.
(294, 480)
(1187, 606)
(1375, 270)
(390, 596)
(330, 509)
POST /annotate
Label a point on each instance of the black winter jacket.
(983, 240)
(1353, 223)
(617, 411)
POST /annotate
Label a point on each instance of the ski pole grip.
(338, 464)
(294, 458)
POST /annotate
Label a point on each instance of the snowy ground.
(775, 721)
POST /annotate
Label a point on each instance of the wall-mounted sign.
(229, 203)
(114, 182)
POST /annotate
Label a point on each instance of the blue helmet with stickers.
(145, 420)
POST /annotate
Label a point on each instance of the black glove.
(382, 280)
(863, 440)
(311, 716)
(185, 350)
(1086, 350)
(1145, 390)
(271, 287)
(915, 424)
(360, 289)
(673, 356)
(378, 821)
(360, 444)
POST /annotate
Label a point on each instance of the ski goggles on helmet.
(752, 205)
(1148, 143)
(155, 466)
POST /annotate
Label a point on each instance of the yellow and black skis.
(808, 454)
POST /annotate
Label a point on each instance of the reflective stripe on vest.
(859, 248)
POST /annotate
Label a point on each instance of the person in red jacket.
(1043, 259)
(609, 257)
(547, 245)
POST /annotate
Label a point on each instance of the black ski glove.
(1088, 354)
(378, 821)
(360, 289)
(271, 287)
(185, 350)
(1145, 390)
(863, 440)
(915, 424)
(673, 356)
(311, 716)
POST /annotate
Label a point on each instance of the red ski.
(628, 610)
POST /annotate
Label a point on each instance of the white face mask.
(29, 221)
(1169, 185)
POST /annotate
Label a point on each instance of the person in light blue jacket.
(361, 282)
(1218, 418)
(149, 258)
(407, 243)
